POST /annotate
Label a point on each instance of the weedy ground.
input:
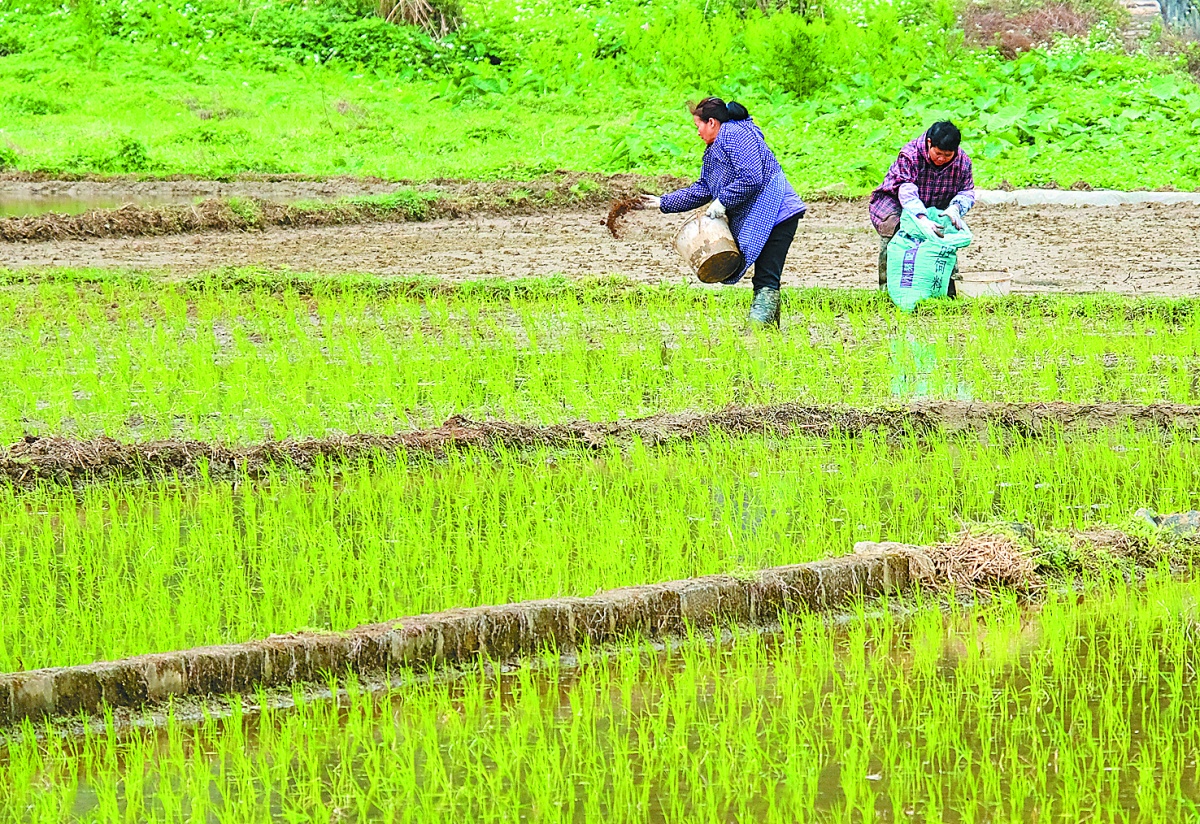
(526, 87)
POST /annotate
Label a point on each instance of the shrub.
(130, 156)
(32, 103)
(792, 50)
(435, 17)
(10, 43)
(304, 36)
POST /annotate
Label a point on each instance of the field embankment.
(980, 561)
(35, 459)
(244, 206)
(458, 637)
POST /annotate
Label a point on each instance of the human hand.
(930, 228)
(649, 202)
(956, 218)
(716, 210)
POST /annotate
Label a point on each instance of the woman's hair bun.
(714, 108)
(736, 111)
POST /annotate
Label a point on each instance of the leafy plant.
(131, 155)
(793, 50)
(246, 209)
(32, 103)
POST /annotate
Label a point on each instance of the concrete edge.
(1078, 199)
(456, 636)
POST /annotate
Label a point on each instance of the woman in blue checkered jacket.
(742, 180)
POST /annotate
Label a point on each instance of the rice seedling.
(114, 570)
(132, 362)
(989, 712)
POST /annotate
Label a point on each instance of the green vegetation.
(524, 87)
(120, 570)
(951, 712)
(1082, 710)
(1079, 710)
(143, 359)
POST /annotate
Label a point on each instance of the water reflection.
(917, 372)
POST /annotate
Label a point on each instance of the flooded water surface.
(26, 205)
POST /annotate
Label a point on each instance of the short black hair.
(944, 135)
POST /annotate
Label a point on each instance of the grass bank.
(522, 90)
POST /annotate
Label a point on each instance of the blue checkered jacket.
(742, 172)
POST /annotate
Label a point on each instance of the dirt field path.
(1140, 249)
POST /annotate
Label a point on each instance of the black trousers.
(769, 266)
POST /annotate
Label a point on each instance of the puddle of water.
(32, 205)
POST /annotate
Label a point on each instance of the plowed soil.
(63, 460)
(1142, 249)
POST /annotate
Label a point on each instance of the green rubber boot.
(764, 309)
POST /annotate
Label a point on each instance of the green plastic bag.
(919, 266)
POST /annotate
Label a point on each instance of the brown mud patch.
(1043, 249)
(63, 460)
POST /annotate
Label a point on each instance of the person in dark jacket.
(742, 181)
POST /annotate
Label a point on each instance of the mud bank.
(243, 207)
(975, 562)
(458, 636)
(63, 460)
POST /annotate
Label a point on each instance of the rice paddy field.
(312, 358)
(1078, 710)
(1071, 705)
